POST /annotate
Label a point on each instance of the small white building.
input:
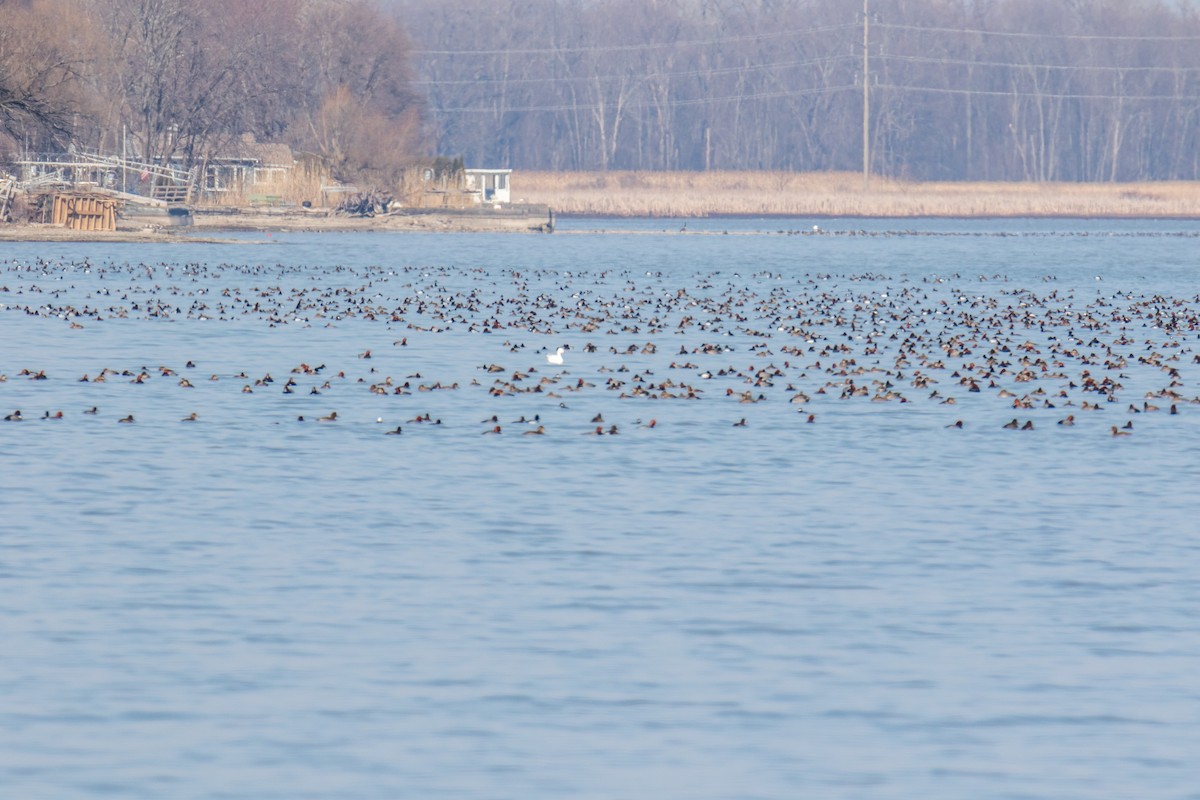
(488, 185)
(245, 163)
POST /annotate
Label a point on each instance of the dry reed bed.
(699, 194)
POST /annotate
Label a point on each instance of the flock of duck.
(603, 352)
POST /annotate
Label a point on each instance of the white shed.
(488, 185)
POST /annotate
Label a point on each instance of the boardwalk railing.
(161, 182)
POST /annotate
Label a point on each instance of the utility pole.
(866, 96)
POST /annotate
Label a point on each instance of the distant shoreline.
(209, 223)
(682, 195)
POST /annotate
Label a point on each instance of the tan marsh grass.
(700, 194)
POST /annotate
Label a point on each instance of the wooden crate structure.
(8, 190)
(85, 212)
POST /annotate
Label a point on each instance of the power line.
(625, 48)
(698, 101)
(1039, 95)
(825, 61)
(485, 104)
(692, 73)
(1018, 65)
(796, 32)
(1085, 37)
(483, 108)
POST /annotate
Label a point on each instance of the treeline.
(1041, 90)
(181, 79)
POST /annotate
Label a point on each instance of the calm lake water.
(870, 605)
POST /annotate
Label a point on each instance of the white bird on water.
(556, 357)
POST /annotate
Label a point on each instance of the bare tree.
(37, 74)
(360, 112)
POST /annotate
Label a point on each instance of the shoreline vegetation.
(684, 195)
(841, 194)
